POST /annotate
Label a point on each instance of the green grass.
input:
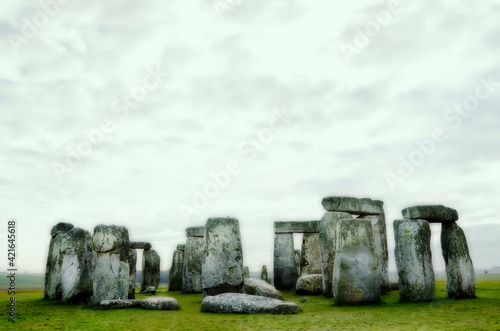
(33, 312)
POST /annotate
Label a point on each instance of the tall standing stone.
(414, 260)
(111, 275)
(310, 262)
(193, 260)
(222, 269)
(132, 263)
(246, 272)
(460, 281)
(175, 274)
(264, 276)
(53, 285)
(355, 276)
(327, 226)
(150, 269)
(77, 266)
(286, 269)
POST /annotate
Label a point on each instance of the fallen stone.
(309, 284)
(132, 262)
(160, 303)
(237, 303)
(120, 304)
(414, 261)
(53, 286)
(305, 300)
(140, 245)
(460, 280)
(150, 290)
(431, 213)
(222, 269)
(355, 275)
(150, 269)
(352, 205)
(286, 267)
(262, 288)
(310, 260)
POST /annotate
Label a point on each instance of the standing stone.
(193, 260)
(286, 269)
(222, 269)
(53, 286)
(310, 262)
(381, 251)
(414, 260)
(175, 274)
(132, 263)
(327, 226)
(460, 280)
(246, 272)
(150, 270)
(264, 276)
(77, 266)
(111, 275)
(355, 276)
(298, 259)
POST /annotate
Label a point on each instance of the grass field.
(483, 313)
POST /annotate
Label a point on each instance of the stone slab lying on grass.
(431, 213)
(160, 303)
(120, 304)
(352, 205)
(254, 286)
(309, 284)
(246, 304)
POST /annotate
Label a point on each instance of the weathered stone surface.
(260, 287)
(197, 231)
(298, 257)
(246, 272)
(59, 228)
(140, 245)
(120, 304)
(222, 269)
(309, 284)
(355, 275)
(286, 269)
(160, 303)
(175, 274)
(53, 286)
(310, 260)
(77, 266)
(364, 206)
(431, 213)
(264, 276)
(327, 228)
(191, 269)
(111, 274)
(150, 269)
(296, 227)
(460, 281)
(150, 290)
(132, 263)
(414, 261)
(381, 251)
(237, 303)
(181, 248)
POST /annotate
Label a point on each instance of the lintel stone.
(197, 231)
(431, 213)
(364, 206)
(296, 227)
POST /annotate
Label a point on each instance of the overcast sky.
(120, 112)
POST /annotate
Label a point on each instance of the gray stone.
(120, 304)
(150, 290)
(309, 284)
(264, 276)
(431, 213)
(381, 251)
(286, 269)
(298, 258)
(191, 269)
(296, 227)
(327, 228)
(414, 260)
(254, 286)
(111, 274)
(150, 269)
(305, 300)
(77, 266)
(197, 231)
(222, 269)
(237, 303)
(53, 285)
(175, 274)
(181, 248)
(132, 263)
(352, 205)
(59, 228)
(246, 272)
(355, 274)
(310, 261)
(140, 245)
(460, 281)
(160, 303)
